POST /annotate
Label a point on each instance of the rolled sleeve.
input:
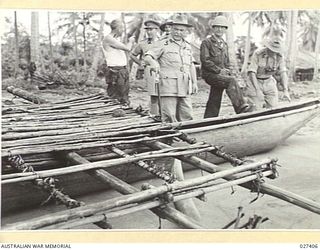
(155, 52)
(282, 65)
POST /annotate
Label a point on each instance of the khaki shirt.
(264, 65)
(142, 48)
(175, 60)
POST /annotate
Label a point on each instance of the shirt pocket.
(187, 57)
(217, 54)
(169, 83)
(173, 56)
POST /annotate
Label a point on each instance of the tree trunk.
(75, 45)
(93, 69)
(247, 48)
(292, 25)
(84, 42)
(317, 52)
(124, 38)
(34, 43)
(16, 34)
(50, 43)
(231, 44)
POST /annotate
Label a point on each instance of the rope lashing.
(46, 184)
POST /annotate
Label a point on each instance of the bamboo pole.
(117, 184)
(124, 188)
(103, 142)
(142, 196)
(114, 162)
(264, 188)
(152, 204)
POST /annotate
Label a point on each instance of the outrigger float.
(82, 140)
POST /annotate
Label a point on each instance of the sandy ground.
(299, 173)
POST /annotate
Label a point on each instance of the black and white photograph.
(160, 120)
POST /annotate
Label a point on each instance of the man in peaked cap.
(165, 27)
(265, 63)
(215, 71)
(151, 27)
(171, 58)
(137, 55)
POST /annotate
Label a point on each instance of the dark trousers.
(117, 79)
(218, 84)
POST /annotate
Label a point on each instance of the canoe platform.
(57, 152)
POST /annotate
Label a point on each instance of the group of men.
(170, 73)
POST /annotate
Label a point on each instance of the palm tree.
(317, 52)
(247, 47)
(200, 22)
(50, 43)
(97, 50)
(310, 23)
(16, 34)
(231, 44)
(34, 42)
(292, 43)
(75, 45)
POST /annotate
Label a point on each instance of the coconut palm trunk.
(232, 51)
(84, 42)
(97, 50)
(50, 43)
(247, 48)
(75, 46)
(317, 52)
(292, 42)
(231, 44)
(16, 35)
(34, 43)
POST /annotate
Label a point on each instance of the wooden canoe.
(241, 135)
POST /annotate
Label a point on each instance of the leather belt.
(117, 67)
(263, 78)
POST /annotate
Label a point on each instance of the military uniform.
(175, 60)
(149, 78)
(214, 57)
(265, 67)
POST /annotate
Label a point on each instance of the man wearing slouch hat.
(171, 59)
(262, 88)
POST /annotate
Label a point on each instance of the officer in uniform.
(165, 27)
(171, 58)
(215, 71)
(138, 54)
(262, 88)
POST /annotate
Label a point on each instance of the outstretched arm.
(114, 43)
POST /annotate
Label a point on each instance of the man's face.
(151, 32)
(178, 31)
(219, 31)
(167, 28)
